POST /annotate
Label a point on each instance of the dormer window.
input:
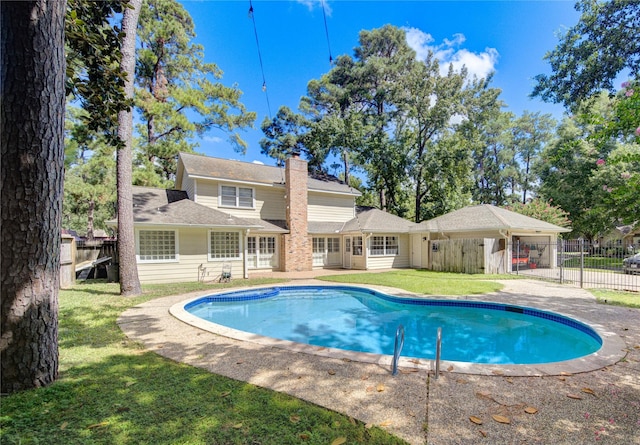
(241, 197)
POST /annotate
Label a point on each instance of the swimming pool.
(365, 320)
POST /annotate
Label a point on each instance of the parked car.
(631, 264)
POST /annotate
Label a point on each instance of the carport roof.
(483, 218)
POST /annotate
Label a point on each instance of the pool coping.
(612, 350)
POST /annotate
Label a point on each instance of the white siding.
(330, 208)
(270, 203)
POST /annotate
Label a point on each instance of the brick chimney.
(297, 249)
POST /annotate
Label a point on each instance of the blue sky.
(509, 37)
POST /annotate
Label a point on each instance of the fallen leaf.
(565, 373)
(239, 362)
(368, 426)
(484, 394)
(346, 360)
(562, 379)
(411, 413)
(509, 380)
(64, 425)
(386, 423)
(636, 347)
(408, 371)
(484, 433)
(450, 368)
(530, 410)
(331, 372)
(123, 409)
(304, 436)
(416, 361)
(352, 421)
(237, 426)
(574, 396)
(294, 419)
(97, 425)
(500, 419)
(339, 441)
(364, 377)
(497, 372)
(380, 387)
(588, 391)
(225, 394)
(476, 420)
(462, 381)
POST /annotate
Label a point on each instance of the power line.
(264, 81)
(326, 31)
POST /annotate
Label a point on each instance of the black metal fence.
(579, 262)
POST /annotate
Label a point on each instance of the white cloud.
(212, 139)
(312, 4)
(449, 53)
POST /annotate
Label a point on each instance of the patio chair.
(225, 275)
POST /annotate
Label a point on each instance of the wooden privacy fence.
(458, 255)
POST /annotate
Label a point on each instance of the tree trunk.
(129, 281)
(32, 168)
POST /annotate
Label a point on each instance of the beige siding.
(269, 201)
(193, 253)
(330, 208)
(393, 261)
(207, 193)
(189, 186)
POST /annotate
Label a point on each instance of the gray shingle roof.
(225, 169)
(171, 207)
(484, 218)
(373, 220)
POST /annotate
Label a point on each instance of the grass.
(627, 299)
(110, 391)
(427, 282)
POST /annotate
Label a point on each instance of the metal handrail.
(438, 349)
(397, 349)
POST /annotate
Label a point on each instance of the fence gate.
(579, 262)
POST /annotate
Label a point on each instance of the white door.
(346, 263)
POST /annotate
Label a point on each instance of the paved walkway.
(572, 407)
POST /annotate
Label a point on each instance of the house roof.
(247, 172)
(485, 217)
(369, 219)
(156, 206)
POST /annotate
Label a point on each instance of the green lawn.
(111, 391)
(628, 299)
(427, 282)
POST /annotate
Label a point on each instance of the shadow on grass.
(145, 399)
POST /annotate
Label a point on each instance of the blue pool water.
(364, 320)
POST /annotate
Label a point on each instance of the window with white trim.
(231, 196)
(318, 245)
(333, 245)
(155, 246)
(384, 245)
(357, 245)
(224, 245)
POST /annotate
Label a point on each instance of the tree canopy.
(604, 43)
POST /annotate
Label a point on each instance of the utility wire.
(326, 31)
(264, 82)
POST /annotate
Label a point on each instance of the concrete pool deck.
(573, 405)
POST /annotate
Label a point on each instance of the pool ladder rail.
(397, 349)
